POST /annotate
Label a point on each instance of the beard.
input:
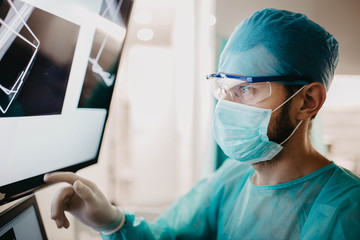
(281, 128)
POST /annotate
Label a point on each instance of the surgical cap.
(276, 42)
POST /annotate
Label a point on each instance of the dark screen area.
(44, 86)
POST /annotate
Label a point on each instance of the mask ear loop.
(291, 133)
(289, 98)
(297, 126)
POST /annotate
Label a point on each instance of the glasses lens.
(251, 93)
(221, 87)
(239, 91)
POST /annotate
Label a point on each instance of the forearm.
(137, 228)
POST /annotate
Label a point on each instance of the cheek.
(276, 100)
(273, 124)
(275, 118)
(276, 114)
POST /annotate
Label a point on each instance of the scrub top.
(322, 205)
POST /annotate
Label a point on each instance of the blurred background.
(158, 140)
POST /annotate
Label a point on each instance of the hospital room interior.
(155, 141)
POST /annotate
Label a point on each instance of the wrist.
(116, 225)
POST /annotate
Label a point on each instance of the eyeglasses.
(245, 89)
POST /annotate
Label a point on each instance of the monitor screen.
(22, 221)
(58, 65)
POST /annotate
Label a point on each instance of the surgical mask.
(241, 131)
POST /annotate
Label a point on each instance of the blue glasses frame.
(287, 80)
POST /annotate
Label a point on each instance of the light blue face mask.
(241, 131)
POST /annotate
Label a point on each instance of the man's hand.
(83, 199)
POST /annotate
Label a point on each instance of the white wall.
(168, 113)
(341, 121)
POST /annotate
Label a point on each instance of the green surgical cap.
(277, 42)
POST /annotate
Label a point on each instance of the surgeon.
(272, 80)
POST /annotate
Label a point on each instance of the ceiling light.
(212, 19)
(145, 34)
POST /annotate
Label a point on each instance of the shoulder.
(335, 213)
(347, 174)
(342, 188)
(345, 181)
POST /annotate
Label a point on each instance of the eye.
(245, 90)
(242, 92)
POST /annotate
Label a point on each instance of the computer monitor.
(22, 222)
(58, 66)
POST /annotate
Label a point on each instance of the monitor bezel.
(16, 209)
(29, 185)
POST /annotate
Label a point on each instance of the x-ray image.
(36, 53)
(12, 81)
(101, 71)
(104, 57)
(116, 11)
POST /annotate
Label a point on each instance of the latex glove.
(85, 201)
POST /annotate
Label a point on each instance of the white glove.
(85, 201)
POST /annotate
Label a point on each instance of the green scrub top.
(322, 205)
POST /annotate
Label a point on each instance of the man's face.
(280, 126)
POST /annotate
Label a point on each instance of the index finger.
(68, 177)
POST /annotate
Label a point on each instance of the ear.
(313, 97)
